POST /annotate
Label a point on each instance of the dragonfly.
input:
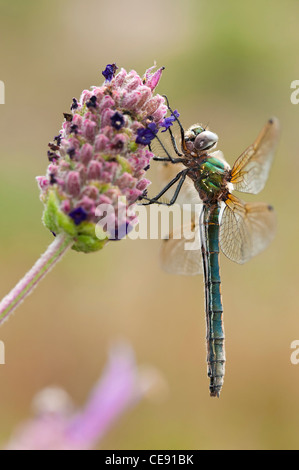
(240, 229)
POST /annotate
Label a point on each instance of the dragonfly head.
(198, 139)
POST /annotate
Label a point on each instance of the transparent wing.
(179, 254)
(246, 229)
(251, 170)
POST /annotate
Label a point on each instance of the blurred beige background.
(227, 63)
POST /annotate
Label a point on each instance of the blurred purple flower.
(59, 426)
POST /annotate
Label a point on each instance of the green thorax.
(211, 179)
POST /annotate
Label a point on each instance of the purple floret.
(109, 72)
(145, 136)
(78, 215)
(168, 121)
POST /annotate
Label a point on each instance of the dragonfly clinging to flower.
(241, 230)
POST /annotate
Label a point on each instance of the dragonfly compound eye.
(205, 140)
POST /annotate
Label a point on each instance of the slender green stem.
(45, 263)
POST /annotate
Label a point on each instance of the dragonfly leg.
(174, 160)
(169, 157)
(181, 176)
(174, 144)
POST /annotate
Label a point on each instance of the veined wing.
(180, 255)
(246, 229)
(250, 172)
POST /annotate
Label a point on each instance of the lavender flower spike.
(98, 145)
(98, 149)
(59, 426)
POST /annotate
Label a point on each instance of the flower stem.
(45, 263)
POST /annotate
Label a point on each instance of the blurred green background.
(227, 63)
